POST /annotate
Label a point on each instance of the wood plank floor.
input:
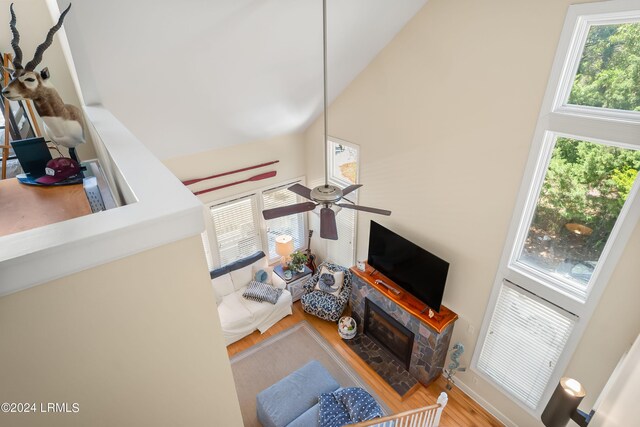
(461, 411)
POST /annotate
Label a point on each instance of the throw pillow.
(260, 292)
(332, 413)
(263, 274)
(330, 281)
(360, 405)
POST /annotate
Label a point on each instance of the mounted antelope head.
(63, 123)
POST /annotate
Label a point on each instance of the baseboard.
(486, 405)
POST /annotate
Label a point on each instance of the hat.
(58, 170)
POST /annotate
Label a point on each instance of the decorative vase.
(347, 328)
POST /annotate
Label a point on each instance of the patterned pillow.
(258, 291)
(329, 281)
(360, 405)
(332, 412)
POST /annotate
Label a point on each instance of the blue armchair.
(324, 305)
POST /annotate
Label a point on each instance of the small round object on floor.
(347, 328)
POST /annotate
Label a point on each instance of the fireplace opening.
(388, 333)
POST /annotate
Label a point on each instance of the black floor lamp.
(563, 405)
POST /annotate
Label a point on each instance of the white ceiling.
(194, 75)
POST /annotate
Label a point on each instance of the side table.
(295, 284)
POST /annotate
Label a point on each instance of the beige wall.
(445, 117)
(288, 149)
(134, 342)
(33, 22)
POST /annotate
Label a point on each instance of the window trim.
(557, 119)
(262, 226)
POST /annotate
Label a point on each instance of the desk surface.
(23, 207)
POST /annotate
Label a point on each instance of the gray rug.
(273, 359)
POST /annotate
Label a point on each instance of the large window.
(577, 208)
(239, 229)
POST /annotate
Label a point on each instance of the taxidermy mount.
(63, 123)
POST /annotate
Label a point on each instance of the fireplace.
(388, 333)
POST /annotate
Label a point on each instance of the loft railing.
(429, 416)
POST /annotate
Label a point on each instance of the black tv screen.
(416, 270)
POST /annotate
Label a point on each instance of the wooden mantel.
(408, 302)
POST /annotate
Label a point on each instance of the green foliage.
(298, 259)
(586, 183)
(609, 72)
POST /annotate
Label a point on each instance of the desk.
(23, 207)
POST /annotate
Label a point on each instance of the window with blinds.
(237, 229)
(577, 209)
(344, 160)
(341, 251)
(525, 338)
(292, 225)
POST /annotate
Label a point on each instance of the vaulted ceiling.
(194, 75)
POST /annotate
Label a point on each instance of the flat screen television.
(416, 270)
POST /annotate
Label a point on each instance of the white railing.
(429, 416)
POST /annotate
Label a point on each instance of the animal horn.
(37, 57)
(15, 42)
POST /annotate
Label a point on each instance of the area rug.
(267, 362)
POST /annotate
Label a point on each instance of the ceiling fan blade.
(350, 188)
(288, 210)
(301, 190)
(365, 208)
(328, 228)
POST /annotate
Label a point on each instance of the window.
(343, 171)
(579, 203)
(525, 339)
(584, 190)
(236, 226)
(292, 225)
(240, 230)
(343, 162)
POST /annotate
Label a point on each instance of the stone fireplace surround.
(431, 341)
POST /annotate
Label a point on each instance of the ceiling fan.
(325, 195)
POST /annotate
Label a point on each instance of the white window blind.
(292, 225)
(341, 251)
(236, 227)
(525, 338)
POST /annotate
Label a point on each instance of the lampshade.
(284, 245)
(563, 403)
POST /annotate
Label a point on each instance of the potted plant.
(298, 260)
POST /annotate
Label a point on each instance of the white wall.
(194, 75)
(33, 22)
(444, 117)
(135, 342)
(619, 404)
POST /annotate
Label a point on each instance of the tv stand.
(436, 321)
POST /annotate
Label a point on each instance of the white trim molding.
(160, 210)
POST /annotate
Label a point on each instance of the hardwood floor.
(461, 410)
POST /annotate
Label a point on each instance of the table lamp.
(284, 247)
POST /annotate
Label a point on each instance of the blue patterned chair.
(326, 306)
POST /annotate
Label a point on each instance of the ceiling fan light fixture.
(324, 199)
